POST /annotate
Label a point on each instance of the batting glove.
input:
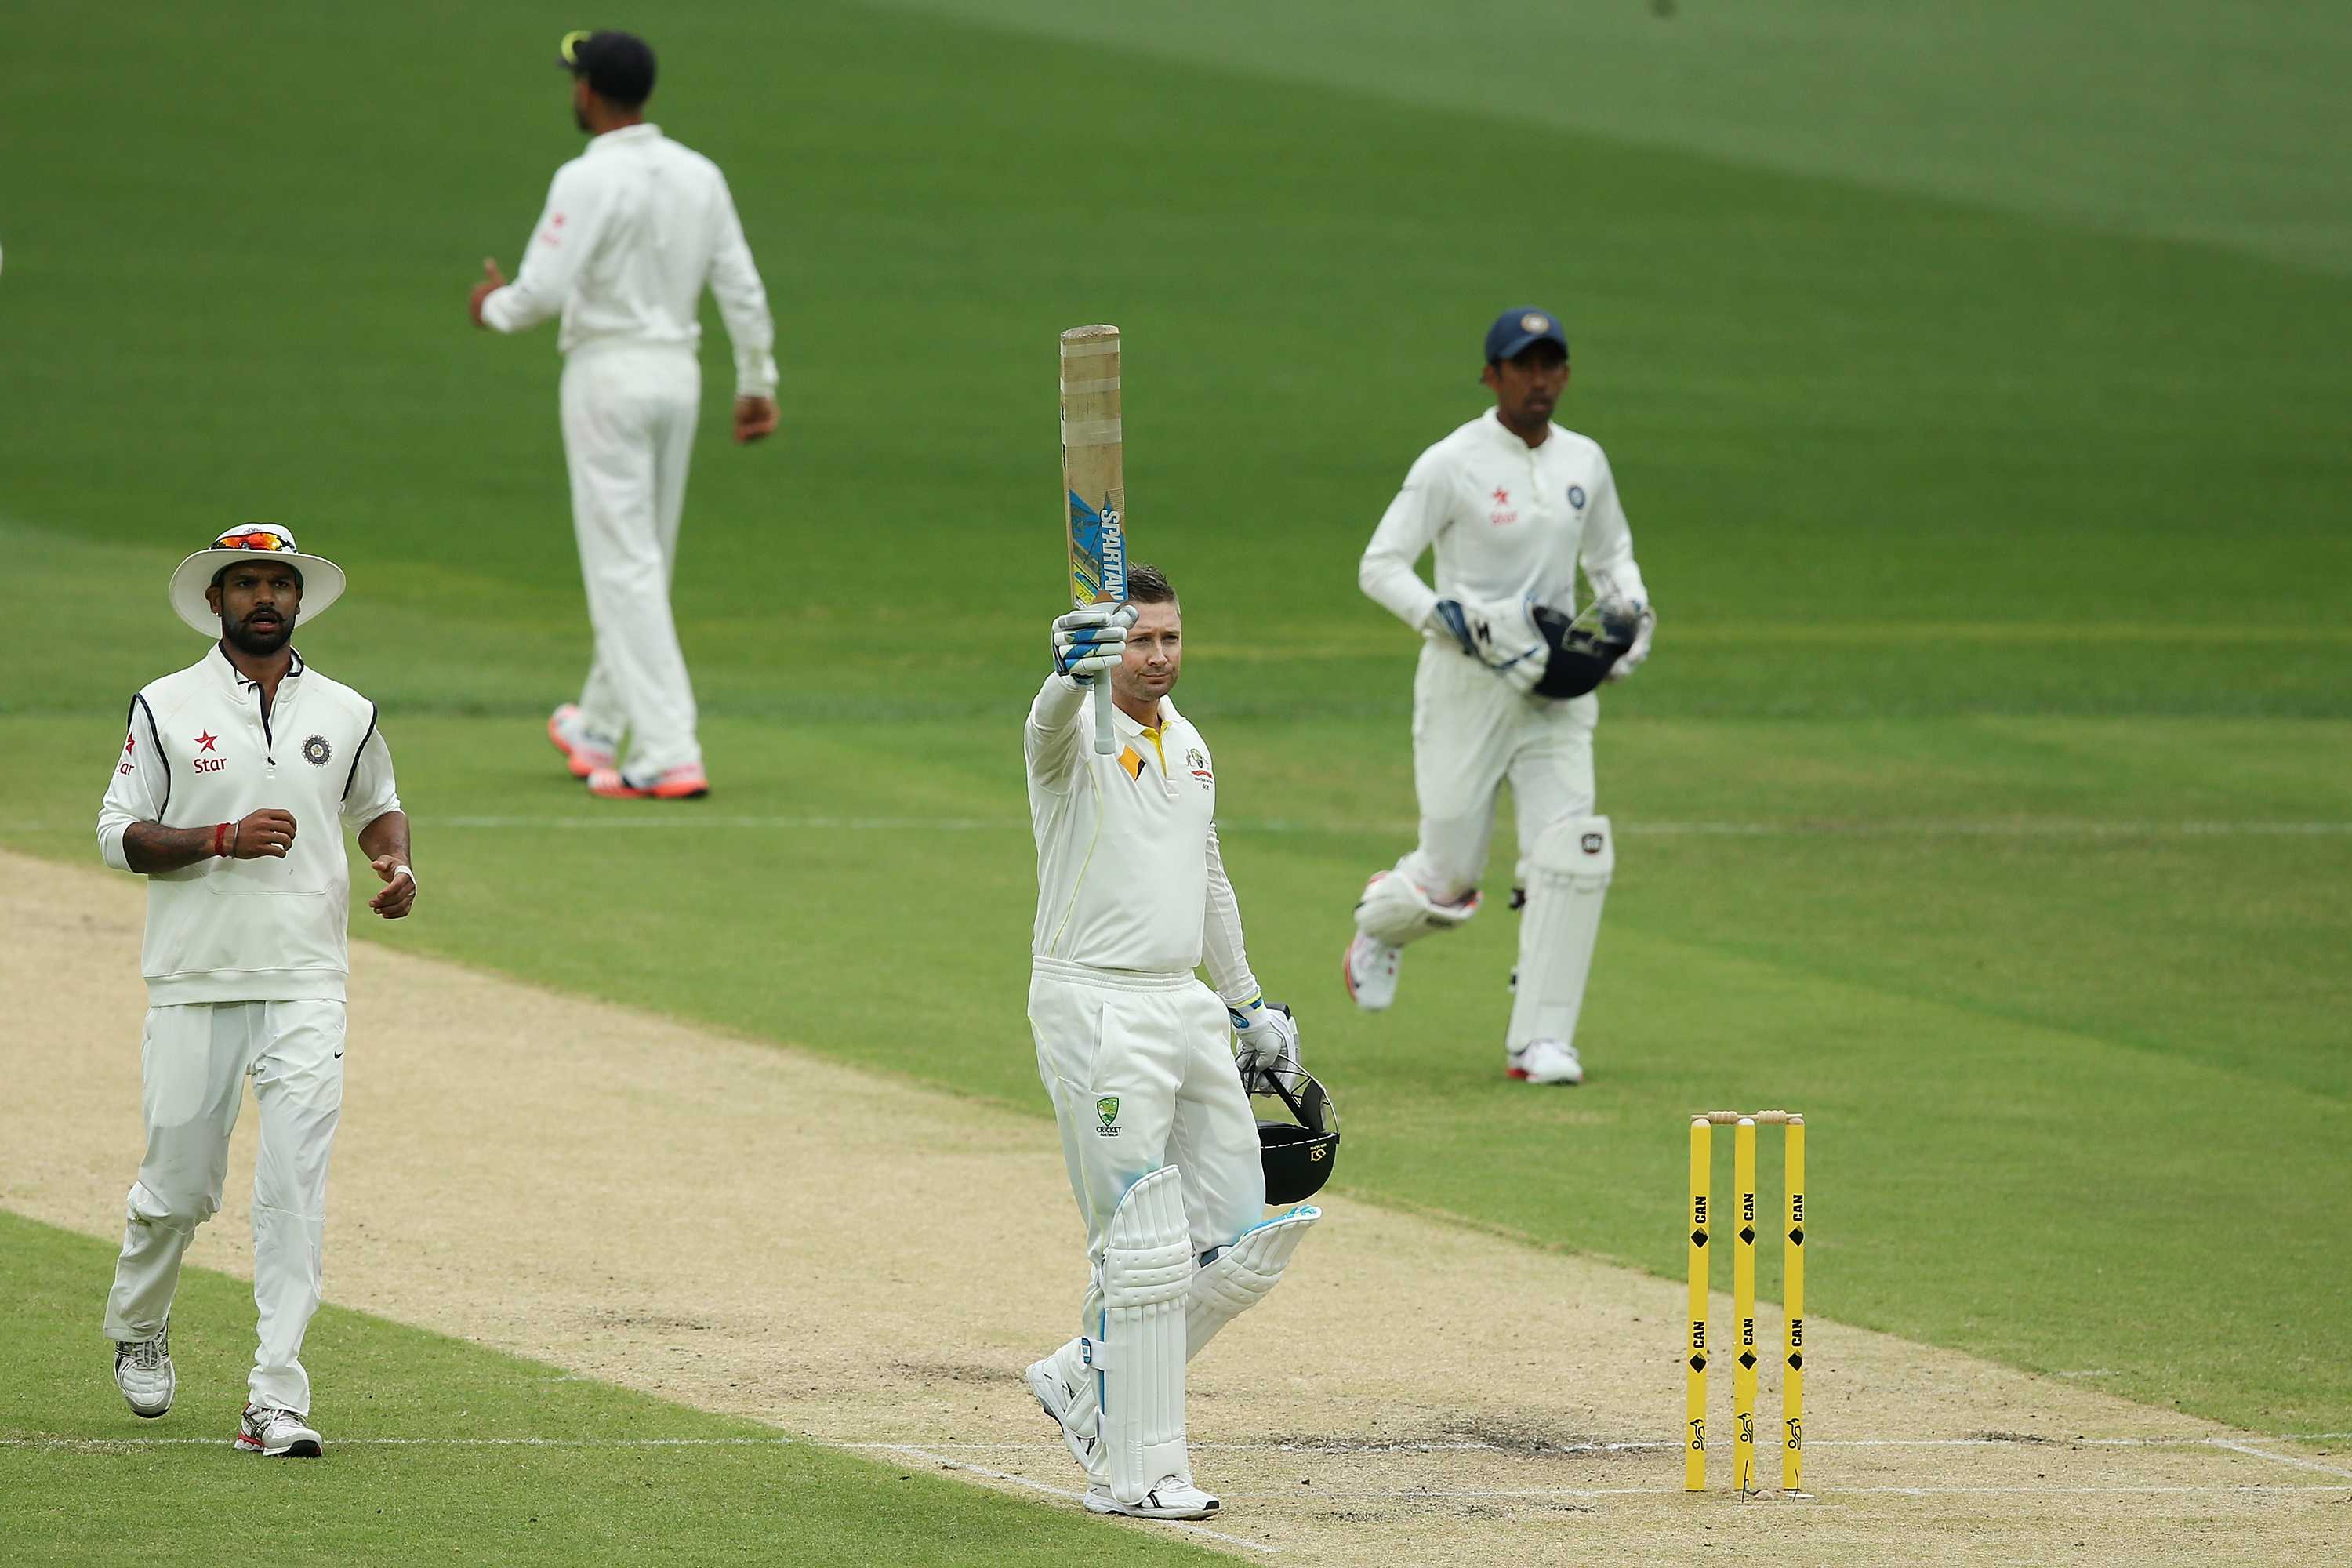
(1266, 1040)
(1090, 641)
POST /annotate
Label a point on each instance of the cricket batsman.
(1512, 504)
(226, 797)
(1139, 1056)
(634, 228)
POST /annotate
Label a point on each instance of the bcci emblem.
(1592, 842)
(1534, 321)
(1107, 1112)
(1575, 497)
(316, 752)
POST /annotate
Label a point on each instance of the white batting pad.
(1242, 1274)
(1395, 911)
(1140, 1358)
(1568, 878)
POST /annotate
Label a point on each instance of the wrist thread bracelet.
(220, 837)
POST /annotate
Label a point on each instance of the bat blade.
(1094, 485)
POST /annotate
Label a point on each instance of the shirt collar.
(644, 130)
(237, 677)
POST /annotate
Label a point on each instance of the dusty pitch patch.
(757, 1231)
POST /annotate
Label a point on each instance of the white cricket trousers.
(194, 1061)
(629, 413)
(1471, 730)
(1140, 1069)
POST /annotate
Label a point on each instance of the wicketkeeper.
(1139, 1056)
(1512, 504)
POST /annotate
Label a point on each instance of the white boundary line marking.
(1078, 1497)
(690, 820)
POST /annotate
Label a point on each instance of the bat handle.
(1106, 738)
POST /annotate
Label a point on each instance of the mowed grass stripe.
(581, 1471)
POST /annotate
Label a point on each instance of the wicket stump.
(1746, 1351)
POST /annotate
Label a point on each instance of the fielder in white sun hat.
(322, 579)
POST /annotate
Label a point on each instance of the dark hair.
(1148, 584)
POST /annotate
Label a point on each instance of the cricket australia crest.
(1107, 1113)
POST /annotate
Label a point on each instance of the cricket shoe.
(1174, 1498)
(1064, 1389)
(277, 1434)
(1546, 1061)
(584, 753)
(1370, 968)
(686, 782)
(142, 1370)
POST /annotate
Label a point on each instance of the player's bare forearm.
(150, 846)
(384, 841)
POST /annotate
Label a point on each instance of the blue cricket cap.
(1515, 329)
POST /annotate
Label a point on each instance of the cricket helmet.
(322, 579)
(1584, 647)
(1297, 1133)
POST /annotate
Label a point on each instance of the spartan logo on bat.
(316, 752)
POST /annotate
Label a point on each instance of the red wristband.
(220, 839)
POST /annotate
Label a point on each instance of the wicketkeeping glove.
(1266, 1038)
(1090, 641)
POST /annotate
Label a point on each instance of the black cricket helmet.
(1584, 646)
(1297, 1133)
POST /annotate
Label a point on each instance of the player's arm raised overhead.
(1607, 557)
(578, 203)
(1410, 526)
(1085, 644)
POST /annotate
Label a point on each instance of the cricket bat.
(1094, 478)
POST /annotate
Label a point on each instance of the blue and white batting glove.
(1266, 1040)
(1090, 641)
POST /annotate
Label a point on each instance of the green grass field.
(1985, 797)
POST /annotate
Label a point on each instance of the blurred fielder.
(1157, 1129)
(634, 228)
(233, 773)
(1512, 504)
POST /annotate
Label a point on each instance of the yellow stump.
(1792, 1374)
(1743, 1307)
(1694, 1375)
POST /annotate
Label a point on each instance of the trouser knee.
(181, 1210)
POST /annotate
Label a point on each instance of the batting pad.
(1568, 878)
(1243, 1274)
(1395, 911)
(1140, 1359)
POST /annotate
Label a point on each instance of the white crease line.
(426, 1442)
(2297, 1460)
(1417, 1495)
(1932, 829)
(1078, 1497)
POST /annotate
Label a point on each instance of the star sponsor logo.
(130, 746)
(204, 742)
(209, 764)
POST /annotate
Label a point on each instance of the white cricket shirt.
(200, 751)
(635, 226)
(1128, 876)
(1507, 520)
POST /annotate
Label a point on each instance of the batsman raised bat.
(1094, 477)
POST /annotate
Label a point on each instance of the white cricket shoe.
(277, 1434)
(1174, 1498)
(1370, 968)
(1058, 1382)
(1546, 1061)
(142, 1370)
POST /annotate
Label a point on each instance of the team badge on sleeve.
(317, 752)
(1575, 497)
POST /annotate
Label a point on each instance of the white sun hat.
(322, 580)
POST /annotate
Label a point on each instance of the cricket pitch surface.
(867, 1263)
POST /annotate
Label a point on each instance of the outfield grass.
(1960, 517)
(438, 1449)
